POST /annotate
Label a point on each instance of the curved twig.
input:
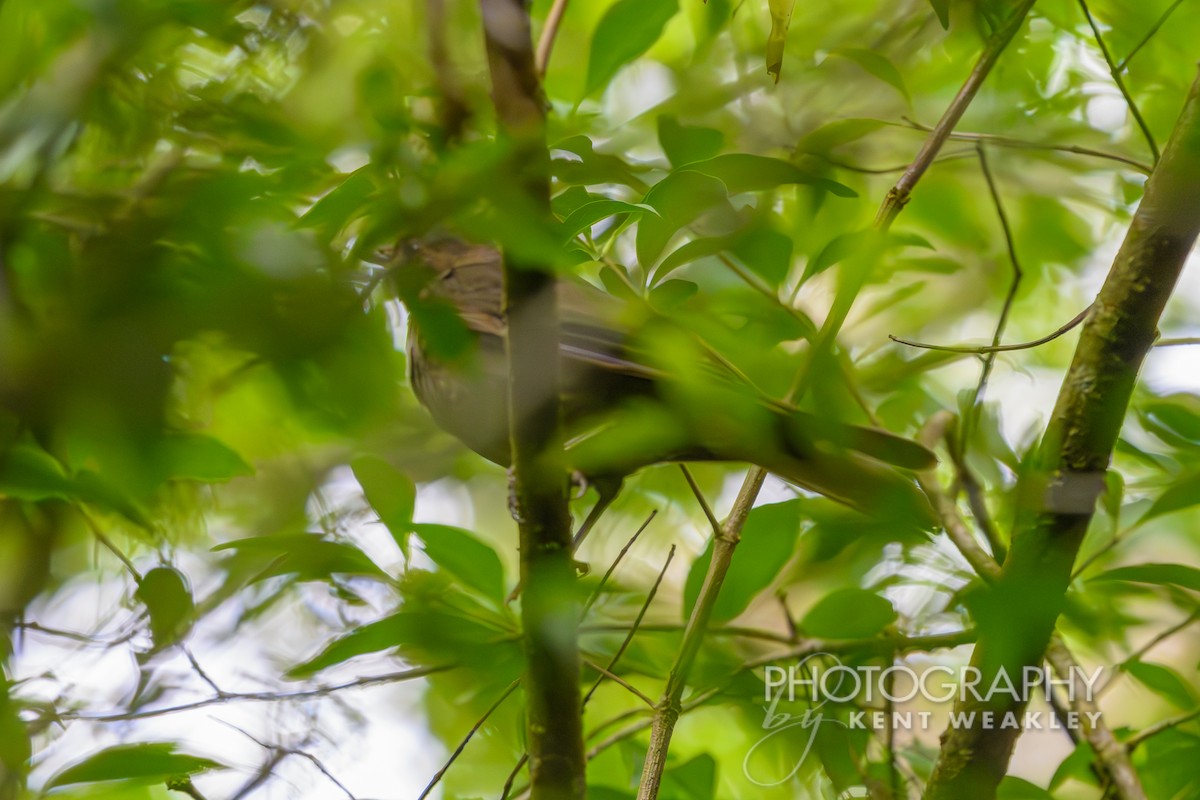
(1022, 144)
(1001, 348)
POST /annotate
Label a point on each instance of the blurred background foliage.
(219, 494)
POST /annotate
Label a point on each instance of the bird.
(623, 410)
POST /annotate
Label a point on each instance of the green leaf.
(464, 556)
(190, 456)
(391, 493)
(628, 29)
(942, 9)
(27, 472)
(743, 172)
(679, 198)
(1175, 418)
(588, 215)
(845, 245)
(781, 19)
(839, 132)
(768, 541)
(877, 65)
(693, 780)
(165, 593)
(1014, 788)
(1158, 574)
(764, 250)
(345, 202)
(1182, 494)
(684, 145)
(422, 635)
(1163, 681)
(148, 762)
(307, 555)
(669, 294)
(848, 614)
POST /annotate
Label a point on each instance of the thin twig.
(1138, 654)
(1022, 144)
(984, 565)
(260, 697)
(975, 498)
(112, 548)
(1115, 71)
(669, 707)
(591, 601)
(886, 170)
(633, 632)
(200, 671)
(708, 512)
(899, 195)
(1178, 342)
(545, 43)
(1154, 730)
(1003, 348)
(617, 679)
(1124, 62)
(512, 687)
(1018, 274)
(670, 627)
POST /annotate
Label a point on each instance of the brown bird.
(623, 411)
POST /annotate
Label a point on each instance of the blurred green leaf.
(876, 64)
(194, 457)
(391, 493)
(744, 172)
(463, 555)
(768, 542)
(679, 198)
(1158, 574)
(848, 614)
(626, 30)
(148, 762)
(1163, 681)
(685, 144)
(308, 556)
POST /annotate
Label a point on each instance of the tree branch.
(898, 197)
(1016, 616)
(550, 610)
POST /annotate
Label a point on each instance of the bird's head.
(442, 267)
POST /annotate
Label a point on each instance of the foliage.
(210, 457)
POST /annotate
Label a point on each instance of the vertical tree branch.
(550, 610)
(1016, 616)
(669, 708)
